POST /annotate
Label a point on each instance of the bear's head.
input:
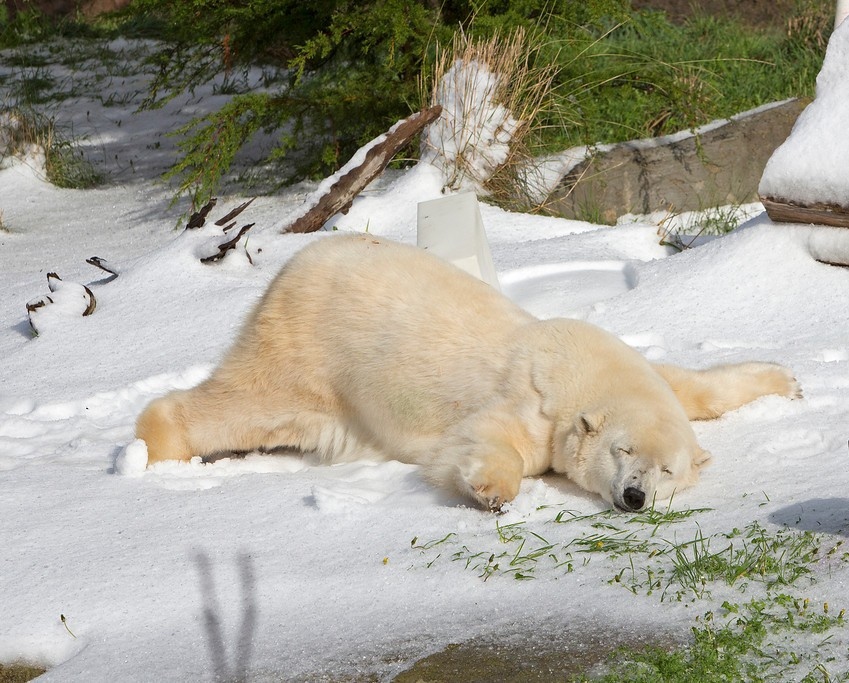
(618, 428)
(630, 457)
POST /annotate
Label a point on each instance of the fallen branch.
(102, 264)
(381, 151)
(198, 218)
(224, 247)
(235, 212)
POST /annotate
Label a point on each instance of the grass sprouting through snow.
(690, 567)
(763, 635)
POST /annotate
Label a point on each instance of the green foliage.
(346, 70)
(741, 642)
(352, 72)
(67, 167)
(354, 69)
(211, 143)
(715, 655)
(650, 77)
(681, 571)
(778, 558)
(768, 636)
(26, 26)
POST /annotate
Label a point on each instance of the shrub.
(353, 69)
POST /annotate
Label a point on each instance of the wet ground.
(555, 657)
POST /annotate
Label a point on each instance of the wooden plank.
(783, 211)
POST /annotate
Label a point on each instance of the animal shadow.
(215, 639)
(821, 515)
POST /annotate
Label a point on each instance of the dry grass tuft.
(22, 129)
(493, 93)
(811, 23)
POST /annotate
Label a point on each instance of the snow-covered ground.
(275, 568)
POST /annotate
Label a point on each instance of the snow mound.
(132, 460)
(809, 167)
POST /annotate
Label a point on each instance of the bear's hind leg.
(161, 426)
(200, 421)
(216, 419)
(707, 394)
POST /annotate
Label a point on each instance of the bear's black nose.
(634, 498)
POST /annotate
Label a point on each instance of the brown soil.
(756, 13)
(19, 673)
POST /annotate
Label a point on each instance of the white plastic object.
(452, 228)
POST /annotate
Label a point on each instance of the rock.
(721, 164)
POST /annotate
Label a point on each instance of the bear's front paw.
(495, 482)
(794, 389)
(492, 501)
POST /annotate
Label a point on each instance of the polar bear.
(366, 348)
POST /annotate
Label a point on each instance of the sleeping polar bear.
(365, 348)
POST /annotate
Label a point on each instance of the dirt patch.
(19, 673)
(558, 656)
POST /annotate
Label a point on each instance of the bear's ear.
(590, 423)
(701, 459)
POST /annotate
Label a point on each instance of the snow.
(273, 567)
(810, 167)
(471, 137)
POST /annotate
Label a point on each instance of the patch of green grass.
(715, 655)
(649, 77)
(35, 86)
(685, 570)
(752, 642)
(776, 558)
(682, 230)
